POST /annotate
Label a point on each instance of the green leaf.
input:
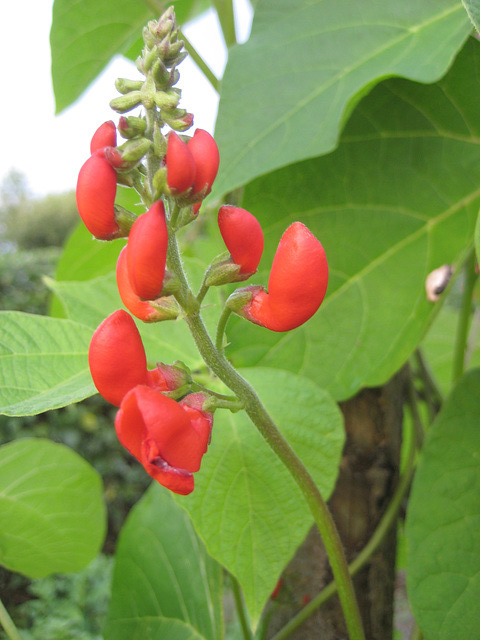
(43, 363)
(398, 199)
(438, 348)
(53, 516)
(443, 520)
(86, 35)
(174, 577)
(477, 238)
(246, 506)
(473, 9)
(318, 58)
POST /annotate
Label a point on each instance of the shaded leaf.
(318, 58)
(246, 506)
(387, 216)
(43, 363)
(443, 520)
(53, 516)
(174, 577)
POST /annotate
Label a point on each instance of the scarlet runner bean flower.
(207, 160)
(193, 166)
(168, 438)
(296, 286)
(243, 237)
(95, 194)
(118, 362)
(104, 136)
(147, 252)
(180, 165)
(166, 308)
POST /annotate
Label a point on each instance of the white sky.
(50, 149)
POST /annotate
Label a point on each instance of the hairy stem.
(388, 520)
(464, 317)
(8, 625)
(264, 423)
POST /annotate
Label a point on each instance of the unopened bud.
(224, 273)
(180, 120)
(131, 126)
(167, 99)
(159, 181)
(124, 219)
(123, 85)
(168, 306)
(125, 103)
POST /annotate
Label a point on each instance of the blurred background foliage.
(73, 606)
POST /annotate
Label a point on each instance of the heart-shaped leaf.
(318, 58)
(443, 520)
(398, 199)
(51, 500)
(246, 506)
(174, 577)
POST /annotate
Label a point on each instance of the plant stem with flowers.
(164, 420)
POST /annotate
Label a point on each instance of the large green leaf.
(473, 9)
(307, 63)
(246, 506)
(53, 516)
(396, 200)
(443, 521)
(43, 363)
(174, 577)
(86, 35)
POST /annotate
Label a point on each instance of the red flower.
(96, 191)
(104, 136)
(116, 357)
(180, 165)
(141, 309)
(296, 287)
(243, 237)
(147, 252)
(204, 150)
(168, 438)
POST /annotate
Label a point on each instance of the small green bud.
(124, 219)
(134, 150)
(159, 141)
(125, 103)
(167, 99)
(178, 119)
(224, 273)
(123, 85)
(159, 181)
(131, 126)
(168, 306)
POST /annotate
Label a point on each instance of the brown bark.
(367, 478)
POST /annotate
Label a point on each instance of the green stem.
(416, 633)
(264, 423)
(241, 609)
(222, 323)
(413, 404)
(464, 317)
(226, 17)
(387, 521)
(8, 625)
(158, 8)
(433, 394)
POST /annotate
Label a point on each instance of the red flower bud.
(163, 436)
(180, 164)
(116, 357)
(96, 191)
(207, 159)
(297, 284)
(147, 252)
(243, 237)
(104, 136)
(141, 309)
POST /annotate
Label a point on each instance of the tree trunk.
(367, 479)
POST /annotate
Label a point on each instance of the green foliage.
(53, 516)
(183, 583)
(246, 506)
(473, 9)
(72, 606)
(443, 520)
(387, 216)
(316, 65)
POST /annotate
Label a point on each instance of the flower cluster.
(164, 417)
